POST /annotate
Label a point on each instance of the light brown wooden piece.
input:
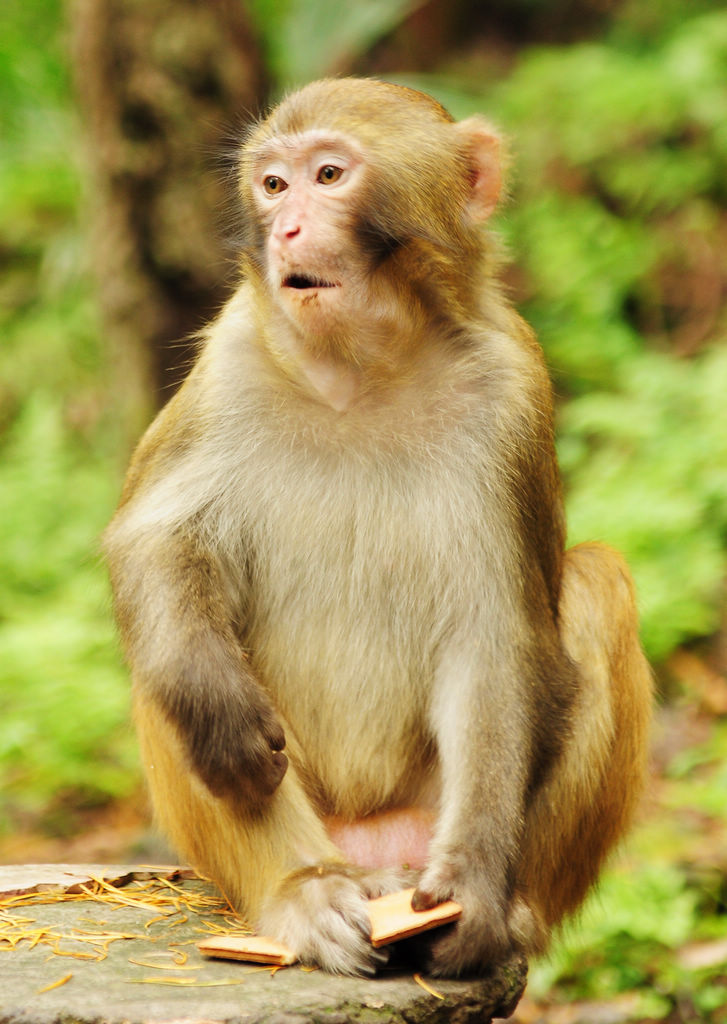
(392, 918)
(256, 949)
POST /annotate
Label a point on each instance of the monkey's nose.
(284, 231)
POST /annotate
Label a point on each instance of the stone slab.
(138, 981)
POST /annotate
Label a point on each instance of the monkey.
(361, 654)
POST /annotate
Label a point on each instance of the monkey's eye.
(328, 174)
(273, 185)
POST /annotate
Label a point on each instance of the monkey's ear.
(482, 148)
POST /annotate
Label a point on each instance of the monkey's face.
(364, 204)
(305, 188)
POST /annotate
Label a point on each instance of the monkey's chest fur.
(361, 569)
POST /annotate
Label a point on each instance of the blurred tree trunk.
(164, 86)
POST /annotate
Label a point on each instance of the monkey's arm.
(175, 616)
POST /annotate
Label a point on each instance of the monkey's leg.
(589, 800)
(276, 864)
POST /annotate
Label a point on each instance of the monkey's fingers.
(276, 770)
(320, 913)
(259, 776)
(426, 898)
(271, 730)
(249, 772)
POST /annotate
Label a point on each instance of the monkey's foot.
(481, 938)
(321, 914)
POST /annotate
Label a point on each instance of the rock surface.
(99, 959)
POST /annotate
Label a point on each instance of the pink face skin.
(332, 320)
(304, 187)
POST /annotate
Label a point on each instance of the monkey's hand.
(321, 914)
(481, 938)
(233, 737)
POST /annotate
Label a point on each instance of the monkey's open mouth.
(302, 281)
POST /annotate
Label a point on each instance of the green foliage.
(33, 68)
(654, 929)
(620, 933)
(63, 696)
(647, 468)
(64, 737)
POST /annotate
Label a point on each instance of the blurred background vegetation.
(118, 122)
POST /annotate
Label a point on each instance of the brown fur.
(344, 537)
